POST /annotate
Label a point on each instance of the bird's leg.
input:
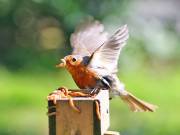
(94, 92)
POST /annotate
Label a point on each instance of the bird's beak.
(62, 64)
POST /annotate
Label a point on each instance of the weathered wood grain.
(69, 122)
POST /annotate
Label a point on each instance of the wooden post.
(67, 121)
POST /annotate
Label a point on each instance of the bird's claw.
(94, 92)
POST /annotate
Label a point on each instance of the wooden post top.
(66, 121)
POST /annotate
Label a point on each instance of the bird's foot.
(94, 92)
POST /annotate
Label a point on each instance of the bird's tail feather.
(136, 104)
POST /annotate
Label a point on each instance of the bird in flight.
(93, 63)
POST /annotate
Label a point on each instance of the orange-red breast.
(94, 60)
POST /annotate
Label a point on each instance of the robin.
(93, 63)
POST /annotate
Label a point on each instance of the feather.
(107, 55)
(136, 104)
(88, 36)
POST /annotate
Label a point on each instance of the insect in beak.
(62, 64)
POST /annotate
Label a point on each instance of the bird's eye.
(73, 59)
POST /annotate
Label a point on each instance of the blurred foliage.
(33, 31)
(34, 35)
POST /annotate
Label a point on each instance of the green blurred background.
(34, 35)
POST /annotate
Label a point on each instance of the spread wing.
(88, 36)
(106, 56)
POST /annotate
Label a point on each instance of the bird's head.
(70, 61)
